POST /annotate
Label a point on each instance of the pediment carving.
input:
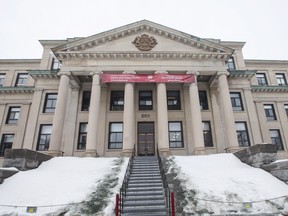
(145, 42)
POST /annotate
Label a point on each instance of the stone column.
(91, 145)
(59, 115)
(128, 118)
(254, 123)
(198, 140)
(32, 119)
(228, 115)
(162, 118)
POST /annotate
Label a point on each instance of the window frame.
(286, 109)
(86, 97)
(171, 132)
(21, 81)
(13, 116)
(117, 134)
(270, 112)
(279, 145)
(241, 134)
(82, 136)
(262, 81)
(47, 137)
(172, 96)
(50, 109)
(116, 96)
(2, 79)
(55, 64)
(203, 100)
(3, 145)
(230, 64)
(236, 102)
(281, 80)
(207, 134)
(145, 99)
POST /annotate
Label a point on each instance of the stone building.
(146, 86)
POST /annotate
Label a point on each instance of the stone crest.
(144, 42)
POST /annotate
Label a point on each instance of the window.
(145, 100)
(82, 136)
(286, 109)
(55, 64)
(117, 100)
(261, 78)
(115, 135)
(21, 79)
(242, 134)
(276, 139)
(207, 134)
(50, 103)
(86, 101)
(269, 112)
(44, 137)
(236, 101)
(13, 115)
(2, 79)
(230, 64)
(203, 100)
(6, 143)
(175, 135)
(281, 80)
(173, 100)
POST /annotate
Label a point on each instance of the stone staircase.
(145, 193)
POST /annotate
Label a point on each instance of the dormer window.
(230, 64)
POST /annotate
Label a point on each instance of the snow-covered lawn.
(221, 184)
(59, 181)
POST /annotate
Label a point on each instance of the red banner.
(142, 78)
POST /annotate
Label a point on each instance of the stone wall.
(24, 159)
(264, 156)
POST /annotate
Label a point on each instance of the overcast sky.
(262, 24)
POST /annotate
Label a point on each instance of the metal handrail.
(124, 186)
(165, 184)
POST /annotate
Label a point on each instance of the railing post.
(172, 204)
(117, 205)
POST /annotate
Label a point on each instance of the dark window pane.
(175, 135)
(82, 136)
(44, 137)
(173, 100)
(6, 143)
(276, 139)
(50, 103)
(117, 100)
(236, 101)
(86, 100)
(207, 135)
(21, 79)
(203, 100)
(242, 134)
(145, 100)
(13, 115)
(115, 135)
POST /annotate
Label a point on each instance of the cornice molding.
(141, 55)
(16, 90)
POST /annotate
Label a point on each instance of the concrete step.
(145, 184)
(144, 193)
(145, 180)
(146, 209)
(145, 171)
(138, 189)
(145, 214)
(144, 203)
(146, 197)
(145, 174)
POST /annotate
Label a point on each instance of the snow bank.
(224, 178)
(59, 181)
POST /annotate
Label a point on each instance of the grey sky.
(262, 24)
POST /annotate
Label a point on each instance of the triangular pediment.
(120, 43)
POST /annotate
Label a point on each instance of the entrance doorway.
(145, 138)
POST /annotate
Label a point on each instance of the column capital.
(196, 73)
(219, 73)
(129, 72)
(161, 72)
(92, 73)
(67, 73)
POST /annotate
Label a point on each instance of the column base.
(126, 152)
(200, 151)
(232, 149)
(164, 151)
(91, 153)
(55, 153)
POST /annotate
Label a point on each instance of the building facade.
(142, 86)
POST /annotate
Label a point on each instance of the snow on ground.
(223, 178)
(59, 181)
